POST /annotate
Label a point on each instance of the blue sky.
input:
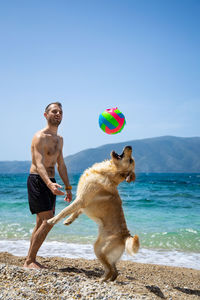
(141, 56)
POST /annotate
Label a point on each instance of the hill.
(165, 154)
(157, 155)
(10, 167)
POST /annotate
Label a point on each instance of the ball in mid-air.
(112, 120)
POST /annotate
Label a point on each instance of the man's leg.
(38, 224)
(39, 234)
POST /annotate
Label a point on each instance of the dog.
(97, 196)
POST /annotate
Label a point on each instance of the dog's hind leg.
(71, 218)
(109, 253)
(73, 207)
(113, 252)
(103, 260)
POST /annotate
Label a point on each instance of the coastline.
(76, 250)
(68, 278)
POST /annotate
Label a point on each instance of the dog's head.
(124, 164)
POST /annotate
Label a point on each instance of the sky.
(142, 56)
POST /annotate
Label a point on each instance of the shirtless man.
(46, 152)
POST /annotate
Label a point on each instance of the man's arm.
(62, 170)
(38, 149)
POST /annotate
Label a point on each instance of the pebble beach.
(80, 279)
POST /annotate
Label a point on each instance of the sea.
(163, 209)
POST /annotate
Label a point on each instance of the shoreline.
(73, 250)
(68, 278)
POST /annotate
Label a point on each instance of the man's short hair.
(48, 106)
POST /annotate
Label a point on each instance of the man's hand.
(68, 197)
(54, 187)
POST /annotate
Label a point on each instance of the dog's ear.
(131, 177)
(115, 158)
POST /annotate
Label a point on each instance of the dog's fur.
(98, 197)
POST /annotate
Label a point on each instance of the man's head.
(53, 113)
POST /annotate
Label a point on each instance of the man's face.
(54, 115)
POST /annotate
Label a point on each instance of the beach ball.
(112, 120)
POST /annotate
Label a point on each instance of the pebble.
(19, 283)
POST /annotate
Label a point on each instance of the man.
(46, 152)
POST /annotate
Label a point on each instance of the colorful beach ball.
(112, 120)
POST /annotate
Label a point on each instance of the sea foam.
(71, 250)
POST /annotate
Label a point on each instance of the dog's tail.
(132, 244)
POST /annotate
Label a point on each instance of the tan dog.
(98, 197)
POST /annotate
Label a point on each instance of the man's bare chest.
(52, 146)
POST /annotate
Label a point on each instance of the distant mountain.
(14, 166)
(165, 154)
(157, 155)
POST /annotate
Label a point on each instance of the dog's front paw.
(68, 221)
(52, 221)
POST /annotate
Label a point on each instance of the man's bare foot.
(34, 265)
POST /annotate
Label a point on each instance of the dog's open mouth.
(117, 156)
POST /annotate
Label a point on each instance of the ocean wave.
(181, 240)
(72, 250)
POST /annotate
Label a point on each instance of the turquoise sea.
(163, 209)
